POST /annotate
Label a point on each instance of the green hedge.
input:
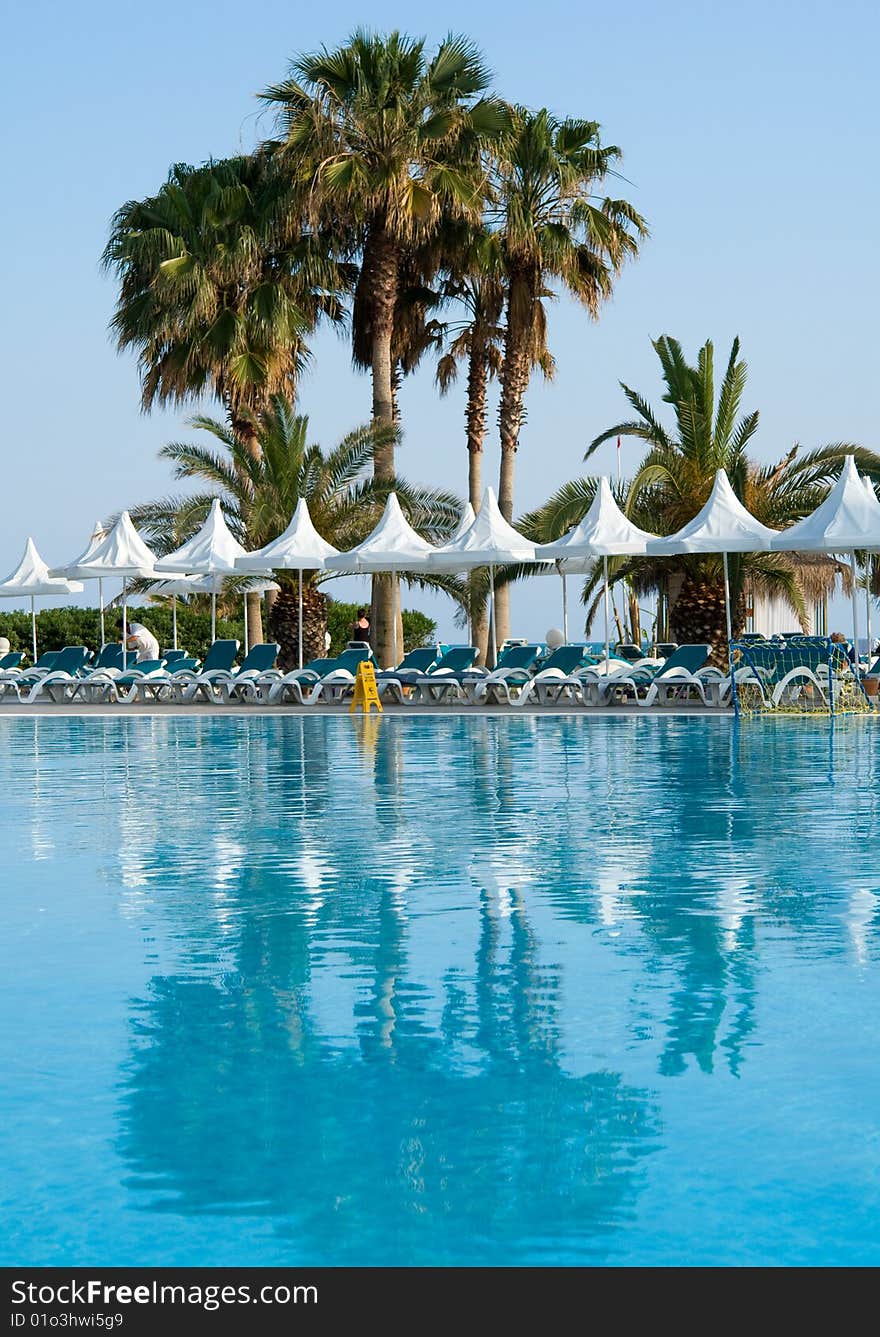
(57, 627)
(418, 628)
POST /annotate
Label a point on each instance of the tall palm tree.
(386, 140)
(673, 481)
(555, 235)
(260, 492)
(219, 287)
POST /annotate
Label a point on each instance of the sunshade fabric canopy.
(299, 548)
(464, 524)
(488, 541)
(72, 570)
(604, 532)
(211, 551)
(122, 552)
(392, 546)
(31, 578)
(723, 525)
(848, 518)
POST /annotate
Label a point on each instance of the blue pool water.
(494, 990)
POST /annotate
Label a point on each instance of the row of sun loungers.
(526, 675)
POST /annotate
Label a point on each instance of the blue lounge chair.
(217, 684)
(542, 683)
(648, 684)
(515, 668)
(65, 670)
(322, 677)
(444, 676)
(10, 662)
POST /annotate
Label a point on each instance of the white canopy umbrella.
(72, 570)
(393, 546)
(488, 541)
(300, 548)
(184, 586)
(210, 552)
(122, 552)
(30, 580)
(722, 526)
(848, 519)
(604, 532)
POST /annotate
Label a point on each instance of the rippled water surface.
(528, 990)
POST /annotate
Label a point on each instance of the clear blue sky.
(750, 141)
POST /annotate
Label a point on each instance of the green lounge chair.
(515, 670)
(65, 670)
(445, 676)
(543, 684)
(649, 684)
(320, 677)
(260, 659)
(10, 662)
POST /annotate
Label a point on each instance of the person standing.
(360, 628)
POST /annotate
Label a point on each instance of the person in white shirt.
(143, 641)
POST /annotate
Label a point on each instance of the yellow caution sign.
(366, 693)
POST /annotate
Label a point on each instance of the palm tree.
(387, 141)
(554, 233)
(260, 492)
(674, 480)
(219, 287)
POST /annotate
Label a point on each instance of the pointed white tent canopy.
(300, 548)
(31, 579)
(122, 552)
(848, 518)
(722, 526)
(489, 541)
(468, 516)
(392, 546)
(72, 570)
(604, 532)
(212, 551)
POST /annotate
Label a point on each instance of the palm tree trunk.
(247, 432)
(514, 383)
(284, 623)
(379, 277)
(475, 418)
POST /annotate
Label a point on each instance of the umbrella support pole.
(101, 609)
(729, 634)
(564, 604)
(173, 619)
(34, 627)
(124, 628)
(868, 636)
(246, 638)
(299, 617)
(855, 615)
(214, 613)
(493, 639)
(607, 616)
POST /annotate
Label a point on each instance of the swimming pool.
(439, 990)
